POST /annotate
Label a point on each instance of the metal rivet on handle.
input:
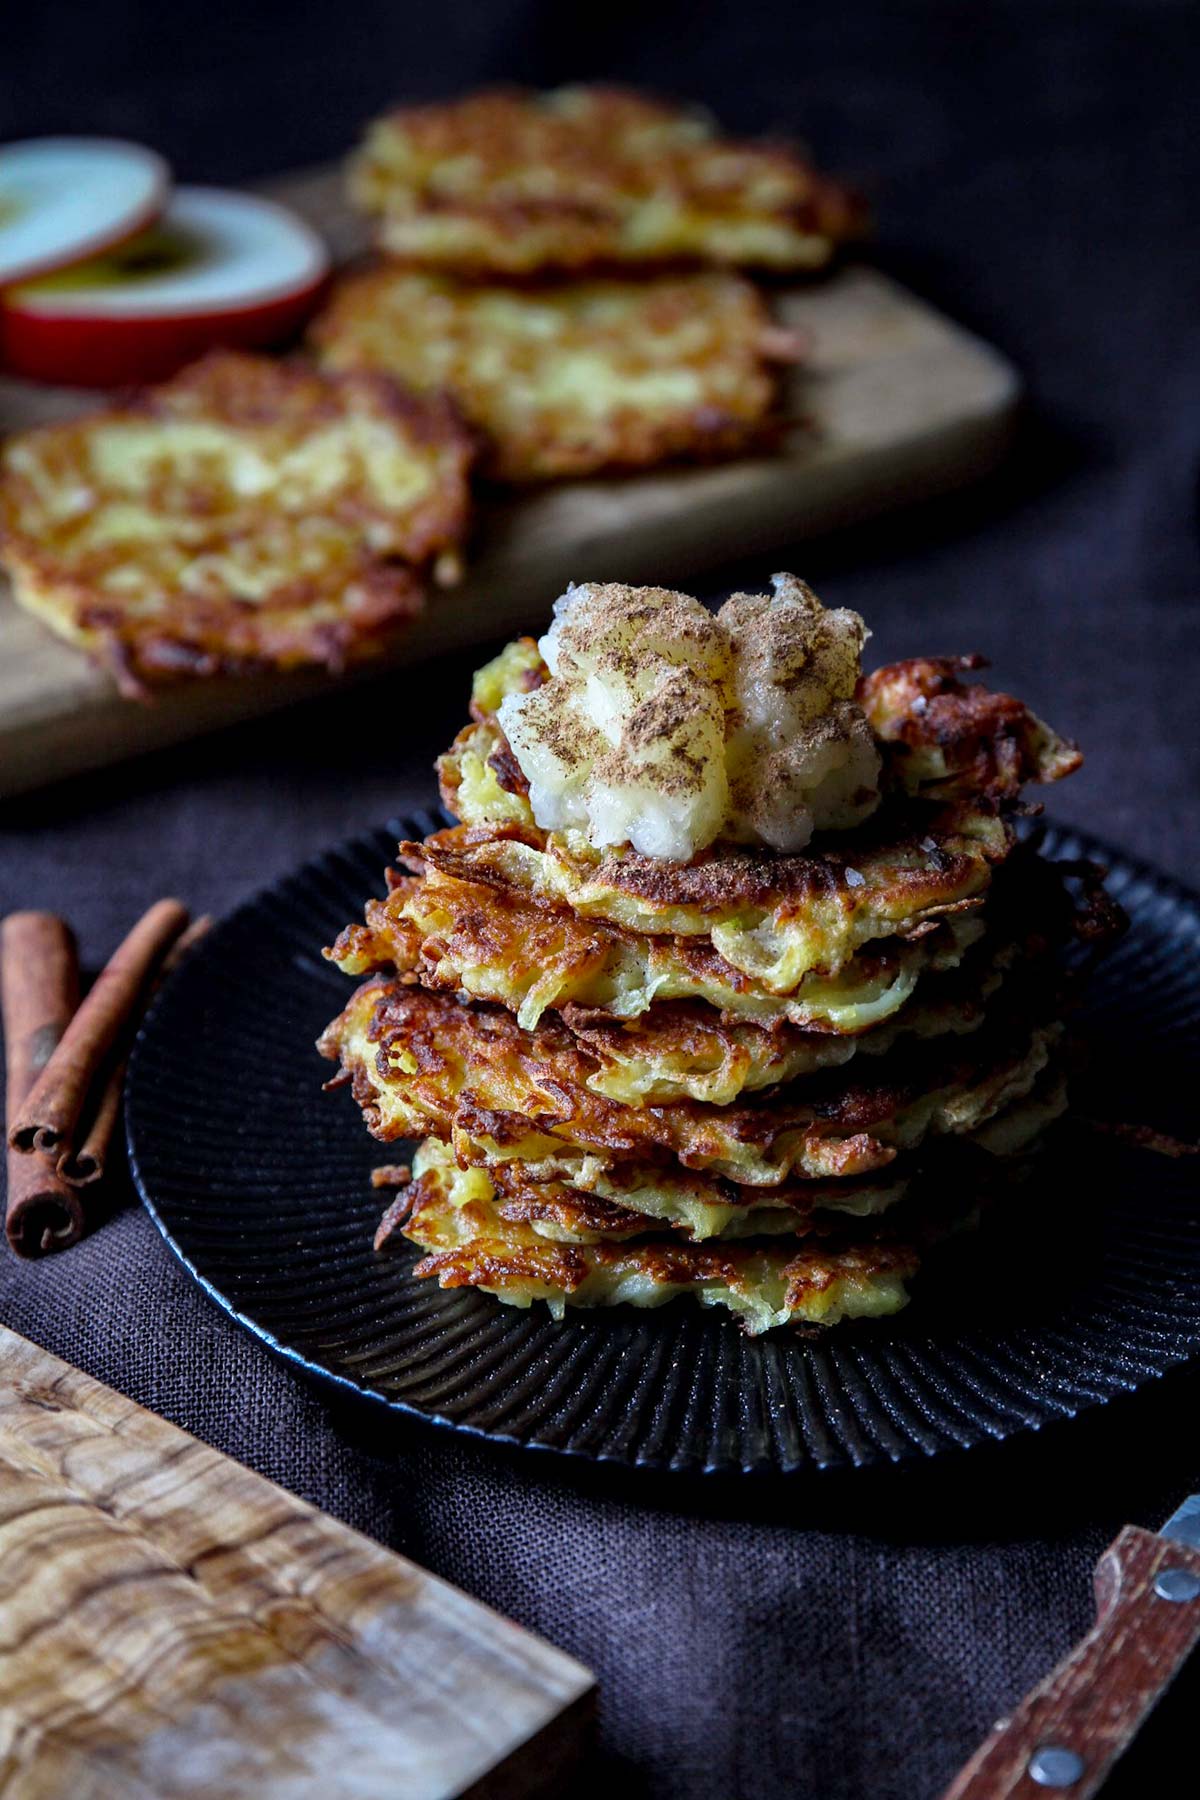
(1055, 1766)
(1177, 1584)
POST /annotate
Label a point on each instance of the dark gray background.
(1035, 169)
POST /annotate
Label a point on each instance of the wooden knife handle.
(1090, 1708)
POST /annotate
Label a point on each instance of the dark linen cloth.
(1035, 170)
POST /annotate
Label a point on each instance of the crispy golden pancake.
(628, 1201)
(564, 381)
(773, 920)
(517, 182)
(668, 1019)
(641, 1198)
(453, 1216)
(421, 1063)
(670, 1011)
(246, 513)
(704, 1206)
(686, 1051)
(496, 945)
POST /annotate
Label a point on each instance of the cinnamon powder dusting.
(664, 726)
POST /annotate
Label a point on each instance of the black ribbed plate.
(259, 1183)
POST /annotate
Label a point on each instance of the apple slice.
(219, 268)
(63, 199)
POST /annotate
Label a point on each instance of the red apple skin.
(102, 353)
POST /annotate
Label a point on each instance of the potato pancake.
(669, 1019)
(247, 513)
(452, 1216)
(702, 1206)
(772, 920)
(515, 182)
(565, 381)
(697, 1206)
(422, 1064)
(629, 1202)
(495, 945)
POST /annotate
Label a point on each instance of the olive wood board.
(174, 1627)
(898, 404)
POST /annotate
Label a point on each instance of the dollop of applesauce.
(665, 727)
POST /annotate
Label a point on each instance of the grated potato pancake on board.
(247, 513)
(571, 379)
(512, 182)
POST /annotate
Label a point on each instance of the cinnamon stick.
(49, 1116)
(39, 992)
(82, 1161)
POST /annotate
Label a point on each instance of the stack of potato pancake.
(564, 266)
(733, 979)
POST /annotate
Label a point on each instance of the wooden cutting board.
(173, 1627)
(900, 404)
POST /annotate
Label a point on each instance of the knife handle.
(1090, 1708)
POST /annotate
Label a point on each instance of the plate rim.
(911, 1454)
